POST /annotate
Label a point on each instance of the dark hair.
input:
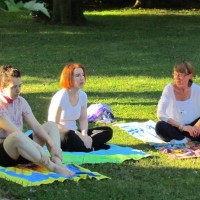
(6, 73)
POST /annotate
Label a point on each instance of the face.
(182, 79)
(78, 78)
(14, 88)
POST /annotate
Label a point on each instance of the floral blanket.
(146, 132)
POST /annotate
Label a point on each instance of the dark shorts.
(7, 161)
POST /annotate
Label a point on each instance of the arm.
(164, 105)
(55, 117)
(41, 133)
(55, 110)
(7, 125)
(83, 122)
(37, 128)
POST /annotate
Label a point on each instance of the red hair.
(66, 78)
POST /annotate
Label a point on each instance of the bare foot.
(61, 169)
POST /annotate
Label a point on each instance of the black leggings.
(168, 132)
(7, 161)
(99, 135)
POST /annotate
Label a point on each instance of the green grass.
(129, 55)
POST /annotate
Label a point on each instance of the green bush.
(2, 4)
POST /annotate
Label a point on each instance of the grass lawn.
(129, 55)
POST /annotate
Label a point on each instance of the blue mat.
(115, 154)
(34, 175)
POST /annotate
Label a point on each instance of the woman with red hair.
(69, 105)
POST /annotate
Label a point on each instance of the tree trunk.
(68, 12)
(55, 12)
(144, 4)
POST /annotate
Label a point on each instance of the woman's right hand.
(87, 140)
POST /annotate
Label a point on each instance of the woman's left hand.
(197, 131)
(194, 131)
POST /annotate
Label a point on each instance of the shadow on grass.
(143, 179)
(44, 96)
(153, 95)
(122, 44)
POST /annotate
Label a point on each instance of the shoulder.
(195, 88)
(22, 105)
(22, 100)
(82, 94)
(59, 94)
(168, 87)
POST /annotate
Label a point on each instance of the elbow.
(162, 117)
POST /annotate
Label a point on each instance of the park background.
(129, 55)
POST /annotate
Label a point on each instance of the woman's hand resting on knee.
(87, 140)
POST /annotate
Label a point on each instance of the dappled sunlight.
(129, 55)
(151, 12)
(62, 32)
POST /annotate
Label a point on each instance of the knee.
(70, 135)
(16, 137)
(159, 126)
(109, 132)
(49, 126)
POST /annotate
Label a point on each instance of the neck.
(73, 91)
(5, 98)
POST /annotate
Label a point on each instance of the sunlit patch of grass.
(129, 55)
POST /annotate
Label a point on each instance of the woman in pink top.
(16, 147)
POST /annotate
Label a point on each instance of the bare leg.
(52, 130)
(17, 144)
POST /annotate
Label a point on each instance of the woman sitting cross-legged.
(69, 105)
(15, 146)
(179, 107)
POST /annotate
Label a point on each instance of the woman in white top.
(68, 106)
(179, 107)
(15, 146)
